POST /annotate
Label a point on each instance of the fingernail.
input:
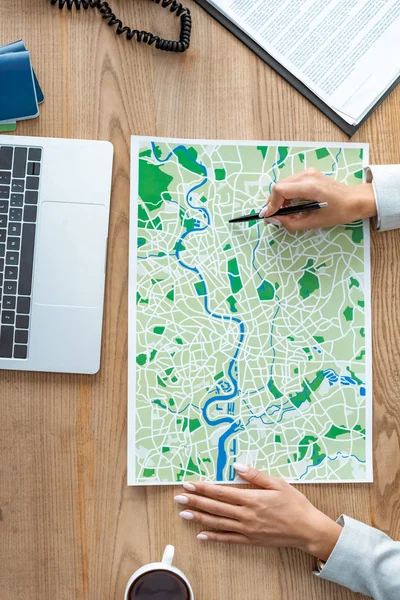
(181, 499)
(273, 221)
(264, 211)
(240, 468)
(186, 515)
(189, 487)
(202, 536)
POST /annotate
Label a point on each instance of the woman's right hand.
(345, 203)
(274, 515)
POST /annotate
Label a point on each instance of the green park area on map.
(250, 341)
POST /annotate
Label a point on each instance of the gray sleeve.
(365, 560)
(385, 180)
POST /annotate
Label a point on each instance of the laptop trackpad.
(69, 269)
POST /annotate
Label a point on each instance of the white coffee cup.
(164, 565)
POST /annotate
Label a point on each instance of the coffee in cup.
(159, 581)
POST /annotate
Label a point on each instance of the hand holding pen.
(345, 204)
(286, 210)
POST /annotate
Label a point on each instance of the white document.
(246, 343)
(346, 51)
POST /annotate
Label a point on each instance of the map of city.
(246, 343)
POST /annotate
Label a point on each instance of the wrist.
(363, 203)
(323, 534)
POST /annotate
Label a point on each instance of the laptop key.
(20, 156)
(9, 302)
(2, 235)
(15, 214)
(2, 250)
(1, 264)
(3, 220)
(26, 261)
(31, 197)
(14, 229)
(6, 154)
(6, 341)
(23, 305)
(18, 185)
(1, 280)
(4, 192)
(4, 207)
(17, 200)
(20, 351)
(21, 336)
(5, 178)
(35, 154)
(11, 273)
(8, 317)
(32, 183)
(22, 322)
(13, 243)
(12, 258)
(33, 168)
(10, 287)
(30, 214)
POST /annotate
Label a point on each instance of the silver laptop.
(54, 212)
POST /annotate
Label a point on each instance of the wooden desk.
(70, 528)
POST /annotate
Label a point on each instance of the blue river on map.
(232, 388)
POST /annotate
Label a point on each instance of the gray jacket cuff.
(364, 560)
(385, 180)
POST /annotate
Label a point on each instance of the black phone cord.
(140, 36)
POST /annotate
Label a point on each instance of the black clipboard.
(290, 78)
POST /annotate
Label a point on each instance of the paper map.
(246, 343)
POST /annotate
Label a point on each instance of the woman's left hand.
(276, 514)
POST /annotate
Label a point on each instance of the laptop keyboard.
(19, 190)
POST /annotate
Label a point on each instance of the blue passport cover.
(18, 95)
(19, 46)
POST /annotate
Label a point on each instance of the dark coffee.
(159, 585)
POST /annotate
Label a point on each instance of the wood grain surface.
(70, 528)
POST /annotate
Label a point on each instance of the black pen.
(286, 210)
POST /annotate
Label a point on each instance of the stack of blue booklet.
(20, 92)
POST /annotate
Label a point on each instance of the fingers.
(292, 224)
(207, 505)
(306, 189)
(306, 185)
(257, 478)
(223, 538)
(213, 522)
(272, 221)
(274, 203)
(217, 492)
(298, 222)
